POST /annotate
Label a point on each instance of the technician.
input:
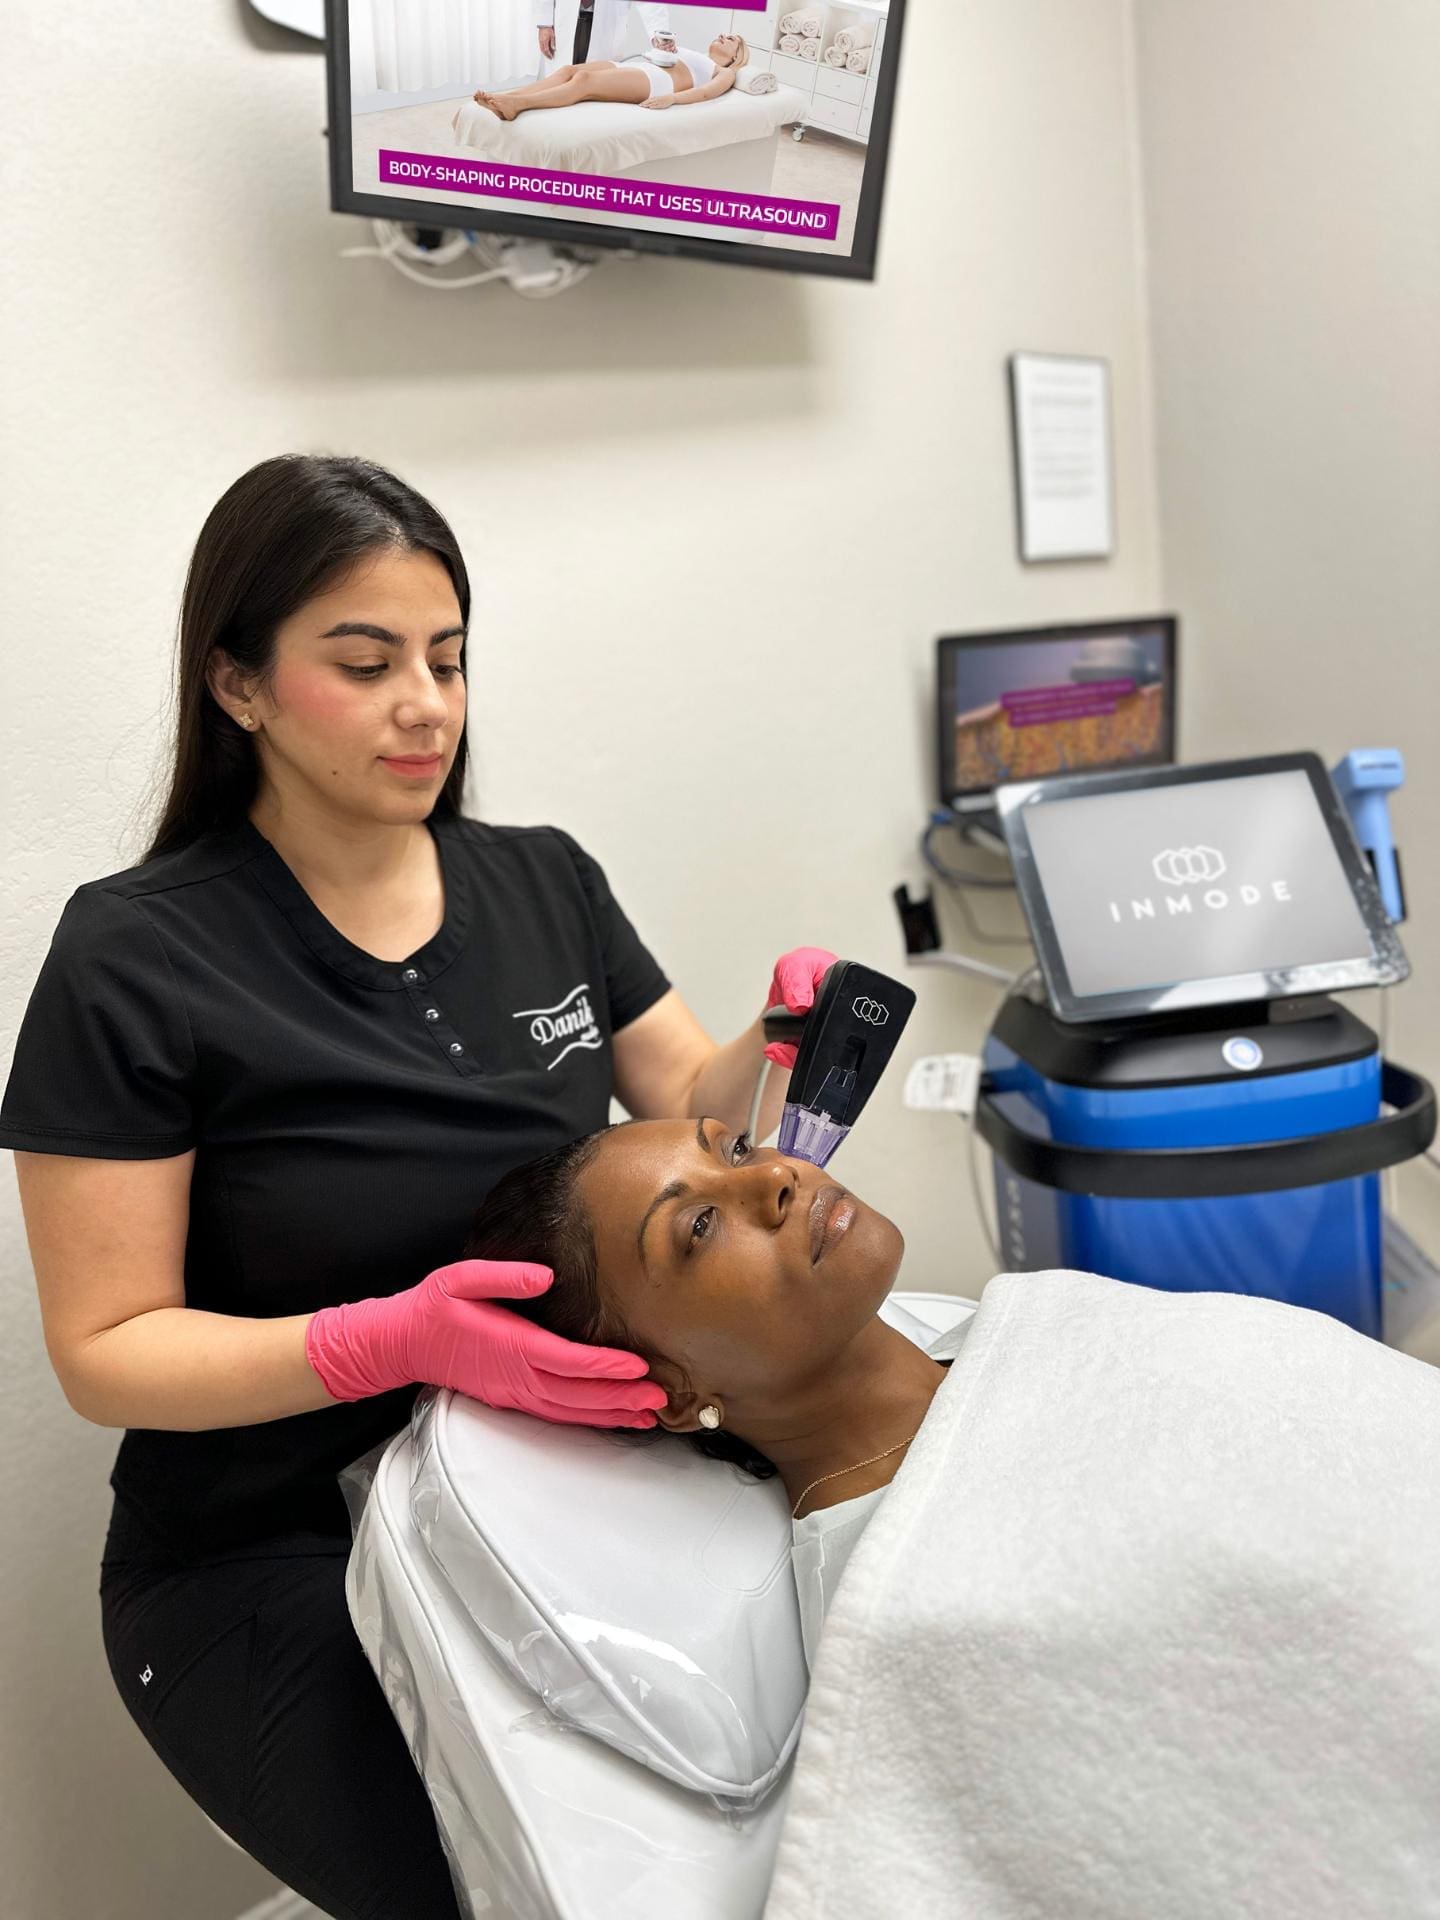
(264, 1080)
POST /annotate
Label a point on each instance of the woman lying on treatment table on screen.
(640, 81)
(751, 1283)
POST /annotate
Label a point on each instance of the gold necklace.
(843, 1470)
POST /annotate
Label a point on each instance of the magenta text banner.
(601, 193)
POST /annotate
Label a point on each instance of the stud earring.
(710, 1418)
(246, 721)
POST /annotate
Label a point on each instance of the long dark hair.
(535, 1213)
(271, 542)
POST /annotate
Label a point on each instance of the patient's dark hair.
(535, 1213)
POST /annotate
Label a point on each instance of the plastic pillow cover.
(656, 1610)
(539, 1822)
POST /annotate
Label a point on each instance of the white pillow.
(643, 1592)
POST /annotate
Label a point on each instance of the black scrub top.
(348, 1114)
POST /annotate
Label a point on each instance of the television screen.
(754, 133)
(1022, 705)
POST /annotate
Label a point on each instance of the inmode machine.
(1184, 1104)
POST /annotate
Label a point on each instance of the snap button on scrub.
(410, 974)
(432, 1013)
(455, 1047)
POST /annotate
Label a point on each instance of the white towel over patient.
(1147, 1627)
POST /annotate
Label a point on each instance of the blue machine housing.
(1237, 1152)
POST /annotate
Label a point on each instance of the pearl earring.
(710, 1418)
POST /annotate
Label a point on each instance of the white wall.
(1292, 183)
(735, 719)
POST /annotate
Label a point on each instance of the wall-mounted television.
(754, 133)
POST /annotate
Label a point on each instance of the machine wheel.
(798, 132)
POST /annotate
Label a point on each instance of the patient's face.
(723, 49)
(749, 1270)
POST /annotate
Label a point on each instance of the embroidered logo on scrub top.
(568, 1025)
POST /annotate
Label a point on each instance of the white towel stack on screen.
(755, 80)
(810, 50)
(790, 43)
(803, 22)
(834, 57)
(854, 46)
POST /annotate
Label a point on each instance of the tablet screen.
(1195, 886)
(1150, 888)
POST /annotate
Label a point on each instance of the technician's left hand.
(665, 42)
(793, 985)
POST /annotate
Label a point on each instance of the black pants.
(245, 1675)
(583, 27)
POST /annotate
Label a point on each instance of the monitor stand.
(984, 831)
(977, 821)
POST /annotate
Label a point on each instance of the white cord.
(421, 264)
(753, 1122)
(394, 245)
(966, 963)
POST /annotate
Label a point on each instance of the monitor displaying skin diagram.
(1020, 705)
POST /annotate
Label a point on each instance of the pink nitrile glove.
(448, 1332)
(793, 985)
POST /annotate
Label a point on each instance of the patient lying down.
(1146, 1624)
(751, 1283)
(640, 81)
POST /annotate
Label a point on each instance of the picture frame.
(1064, 459)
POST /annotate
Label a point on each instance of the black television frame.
(859, 265)
(979, 798)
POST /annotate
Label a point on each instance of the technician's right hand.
(448, 1332)
(547, 42)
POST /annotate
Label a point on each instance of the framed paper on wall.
(1060, 412)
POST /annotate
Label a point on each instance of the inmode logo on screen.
(1151, 888)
